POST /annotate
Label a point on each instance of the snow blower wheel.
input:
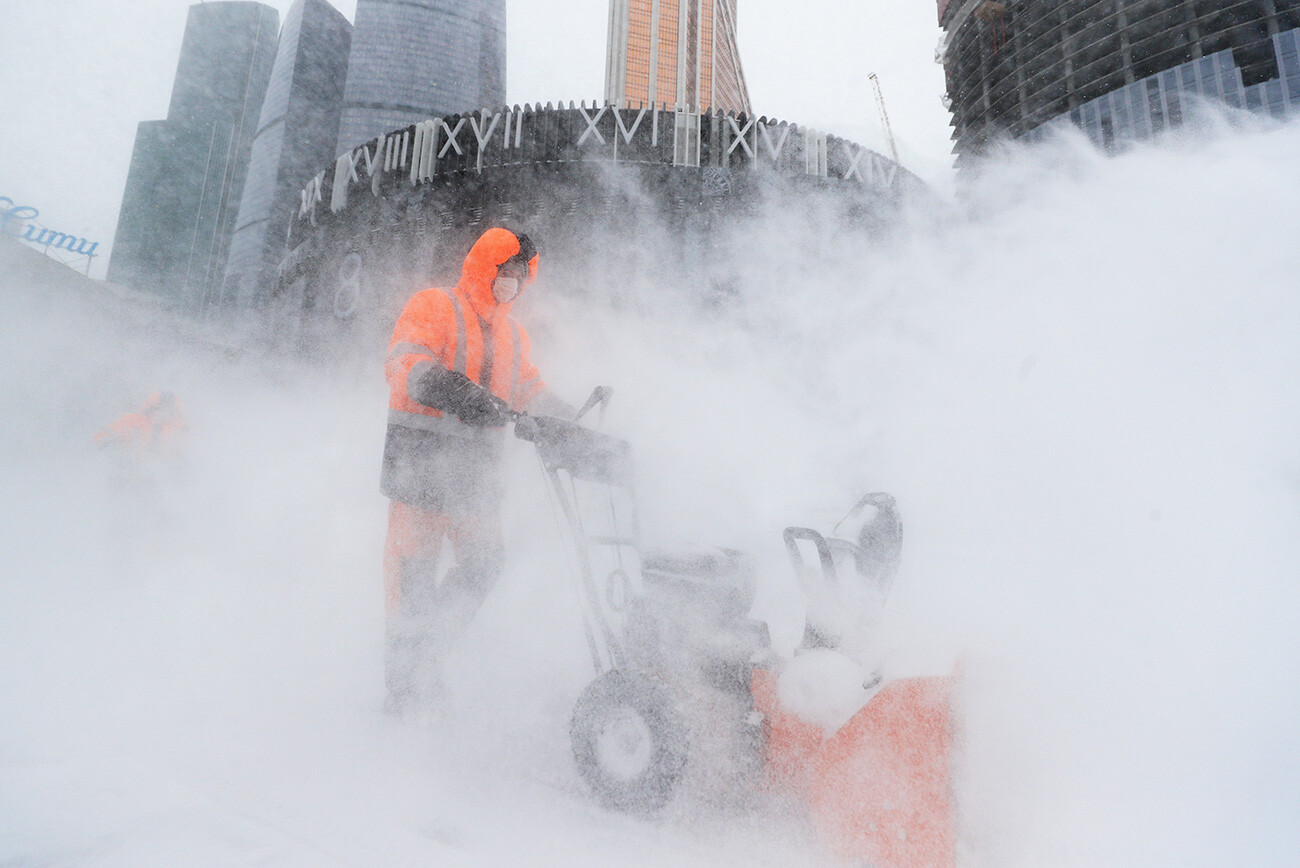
(629, 742)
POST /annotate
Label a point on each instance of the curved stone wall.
(615, 199)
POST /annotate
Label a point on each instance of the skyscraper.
(187, 172)
(417, 59)
(295, 139)
(675, 52)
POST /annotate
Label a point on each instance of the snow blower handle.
(541, 429)
(526, 427)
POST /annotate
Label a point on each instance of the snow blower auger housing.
(666, 627)
(878, 784)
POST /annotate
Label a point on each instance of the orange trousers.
(428, 607)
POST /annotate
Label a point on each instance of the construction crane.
(884, 116)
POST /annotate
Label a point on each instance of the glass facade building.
(418, 59)
(1119, 68)
(1155, 103)
(296, 137)
(187, 172)
(677, 53)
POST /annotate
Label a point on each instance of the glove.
(527, 428)
(456, 393)
(475, 405)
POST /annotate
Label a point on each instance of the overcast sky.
(80, 74)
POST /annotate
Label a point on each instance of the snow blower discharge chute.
(672, 641)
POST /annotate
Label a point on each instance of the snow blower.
(670, 633)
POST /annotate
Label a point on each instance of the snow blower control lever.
(528, 427)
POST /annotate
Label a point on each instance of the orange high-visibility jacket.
(432, 459)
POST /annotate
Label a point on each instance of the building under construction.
(1119, 69)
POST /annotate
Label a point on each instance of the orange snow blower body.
(879, 788)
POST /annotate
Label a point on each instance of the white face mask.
(504, 289)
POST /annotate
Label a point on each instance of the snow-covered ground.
(1082, 386)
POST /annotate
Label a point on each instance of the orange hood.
(493, 249)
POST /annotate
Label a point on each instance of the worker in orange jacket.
(457, 365)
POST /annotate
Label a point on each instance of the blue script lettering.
(12, 220)
(15, 213)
